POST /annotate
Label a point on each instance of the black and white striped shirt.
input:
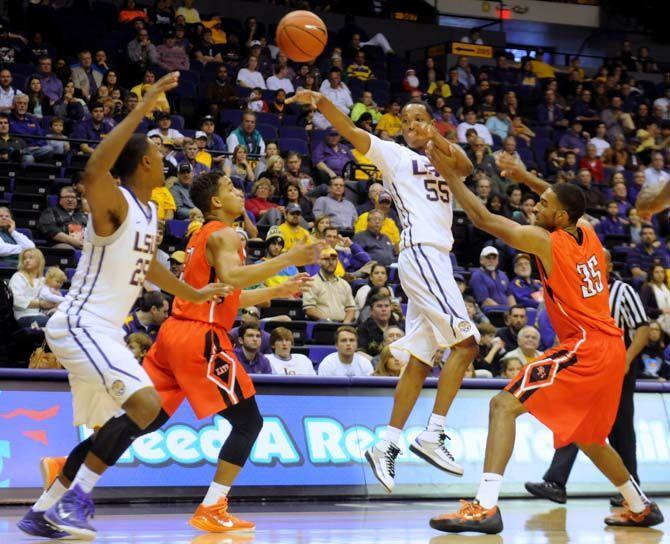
(627, 309)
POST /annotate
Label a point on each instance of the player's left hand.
(423, 129)
(296, 285)
(511, 167)
(309, 98)
(213, 291)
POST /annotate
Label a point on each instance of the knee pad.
(247, 422)
(76, 458)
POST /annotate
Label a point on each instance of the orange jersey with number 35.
(576, 292)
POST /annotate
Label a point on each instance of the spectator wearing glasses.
(250, 315)
(63, 225)
(85, 77)
(282, 361)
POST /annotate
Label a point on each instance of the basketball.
(302, 35)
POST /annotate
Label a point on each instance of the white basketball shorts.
(102, 371)
(436, 314)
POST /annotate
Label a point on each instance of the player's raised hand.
(446, 165)
(296, 285)
(310, 98)
(168, 82)
(213, 291)
(423, 130)
(511, 167)
(304, 254)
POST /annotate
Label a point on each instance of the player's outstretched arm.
(651, 201)
(293, 286)
(514, 170)
(222, 248)
(340, 121)
(168, 282)
(108, 207)
(530, 239)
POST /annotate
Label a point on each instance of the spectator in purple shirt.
(330, 156)
(612, 223)
(249, 352)
(51, 85)
(573, 140)
(647, 253)
(93, 128)
(620, 196)
(489, 285)
(24, 124)
(190, 152)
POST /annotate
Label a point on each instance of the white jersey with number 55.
(421, 195)
(112, 269)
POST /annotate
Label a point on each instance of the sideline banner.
(312, 443)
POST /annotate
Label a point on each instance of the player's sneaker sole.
(375, 471)
(418, 450)
(76, 533)
(209, 528)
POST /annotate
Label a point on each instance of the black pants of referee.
(621, 438)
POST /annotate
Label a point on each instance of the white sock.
(49, 497)
(436, 423)
(489, 489)
(215, 493)
(86, 479)
(390, 435)
(636, 499)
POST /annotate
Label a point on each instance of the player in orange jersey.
(573, 388)
(193, 357)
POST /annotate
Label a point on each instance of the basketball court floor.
(376, 522)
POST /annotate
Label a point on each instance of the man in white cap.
(489, 285)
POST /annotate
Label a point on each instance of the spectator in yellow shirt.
(390, 121)
(190, 14)
(290, 229)
(165, 204)
(388, 226)
(219, 36)
(202, 156)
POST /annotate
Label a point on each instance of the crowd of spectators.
(608, 133)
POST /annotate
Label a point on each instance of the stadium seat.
(62, 258)
(297, 133)
(323, 332)
(268, 132)
(177, 122)
(317, 353)
(266, 118)
(255, 249)
(294, 144)
(285, 306)
(177, 228)
(298, 328)
(230, 118)
(26, 219)
(35, 187)
(23, 201)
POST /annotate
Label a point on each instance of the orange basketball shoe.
(51, 467)
(217, 519)
(471, 517)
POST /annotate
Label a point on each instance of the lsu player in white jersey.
(109, 388)
(436, 313)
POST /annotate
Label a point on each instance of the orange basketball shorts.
(575, 388)
(195, 360)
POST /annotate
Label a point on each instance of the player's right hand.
(168, 82)
(510, 167)
(311, 98)
(213, 291)
(304, 254)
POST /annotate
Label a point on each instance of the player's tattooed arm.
(359, 138)
(222, 254)
(168, 282)
(651, 201)
(526, 238)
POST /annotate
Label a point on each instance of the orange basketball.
(302, 35)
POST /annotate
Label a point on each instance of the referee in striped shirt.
(630, 316)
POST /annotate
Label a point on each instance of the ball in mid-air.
(302, 35)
